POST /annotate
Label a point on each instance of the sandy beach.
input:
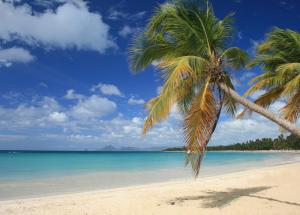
(271, 190)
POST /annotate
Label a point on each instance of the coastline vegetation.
(290, 142)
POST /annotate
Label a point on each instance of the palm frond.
(292, 86)
(235, 58)
(292, 110)
(199, 118)
(144, 51)
(288, 68)
(159, 109)
(279, 57)
(175, 72)
(190, 45)
(199, 124)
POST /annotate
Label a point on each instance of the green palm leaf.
(189, 45)
(279, 56)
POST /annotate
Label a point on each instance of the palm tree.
(189, 46)
(279, 57)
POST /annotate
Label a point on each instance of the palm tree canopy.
(189, 46)
(279, 57)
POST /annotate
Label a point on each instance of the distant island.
(290, 142)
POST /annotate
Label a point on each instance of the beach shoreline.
(177, 196)
(255, 151)
(53, 184)
(56, 184)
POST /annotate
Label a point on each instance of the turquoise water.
(14, 165)
(27, 174)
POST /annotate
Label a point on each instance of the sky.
(65, 82)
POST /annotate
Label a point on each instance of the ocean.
(28, 174)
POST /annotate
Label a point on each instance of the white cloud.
(257, 94)
(137, 120)
(71, 95)
(240, 35)
(82, 124)
(14, 55)
(50, 3)
(129, 132)
(28, 115)
(58, 117)
(44, 3)
(155, 63)
(175, 114)
(138, 15)
(247, 75)
(277, 106)
(233, 131)
(133, 101)
(70, 26)
(92, 107)
(43, 84)
(107, 89)
(9, 138)
(116, 13)
(126, 31)
(92, 122)
(158, 90)
(46, 113)
(253, 45)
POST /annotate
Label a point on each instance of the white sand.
(272, 190)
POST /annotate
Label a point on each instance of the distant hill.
(129, 148)
(108, 148)
(290, 142)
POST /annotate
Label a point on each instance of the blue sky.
(65, 82)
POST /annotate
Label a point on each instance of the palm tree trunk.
(258, 109)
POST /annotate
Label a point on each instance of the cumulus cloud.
(70, 26)
(72, 95)
(93, 122)
(14, 55)
(58, 117)
(46, 112)
(116, 15)
(126, 31)
(28, 115)
(107, 89)
(88, 121)
(134, 101)
(233, 131)
(93, 106)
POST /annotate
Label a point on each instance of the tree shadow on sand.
(218, 199)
